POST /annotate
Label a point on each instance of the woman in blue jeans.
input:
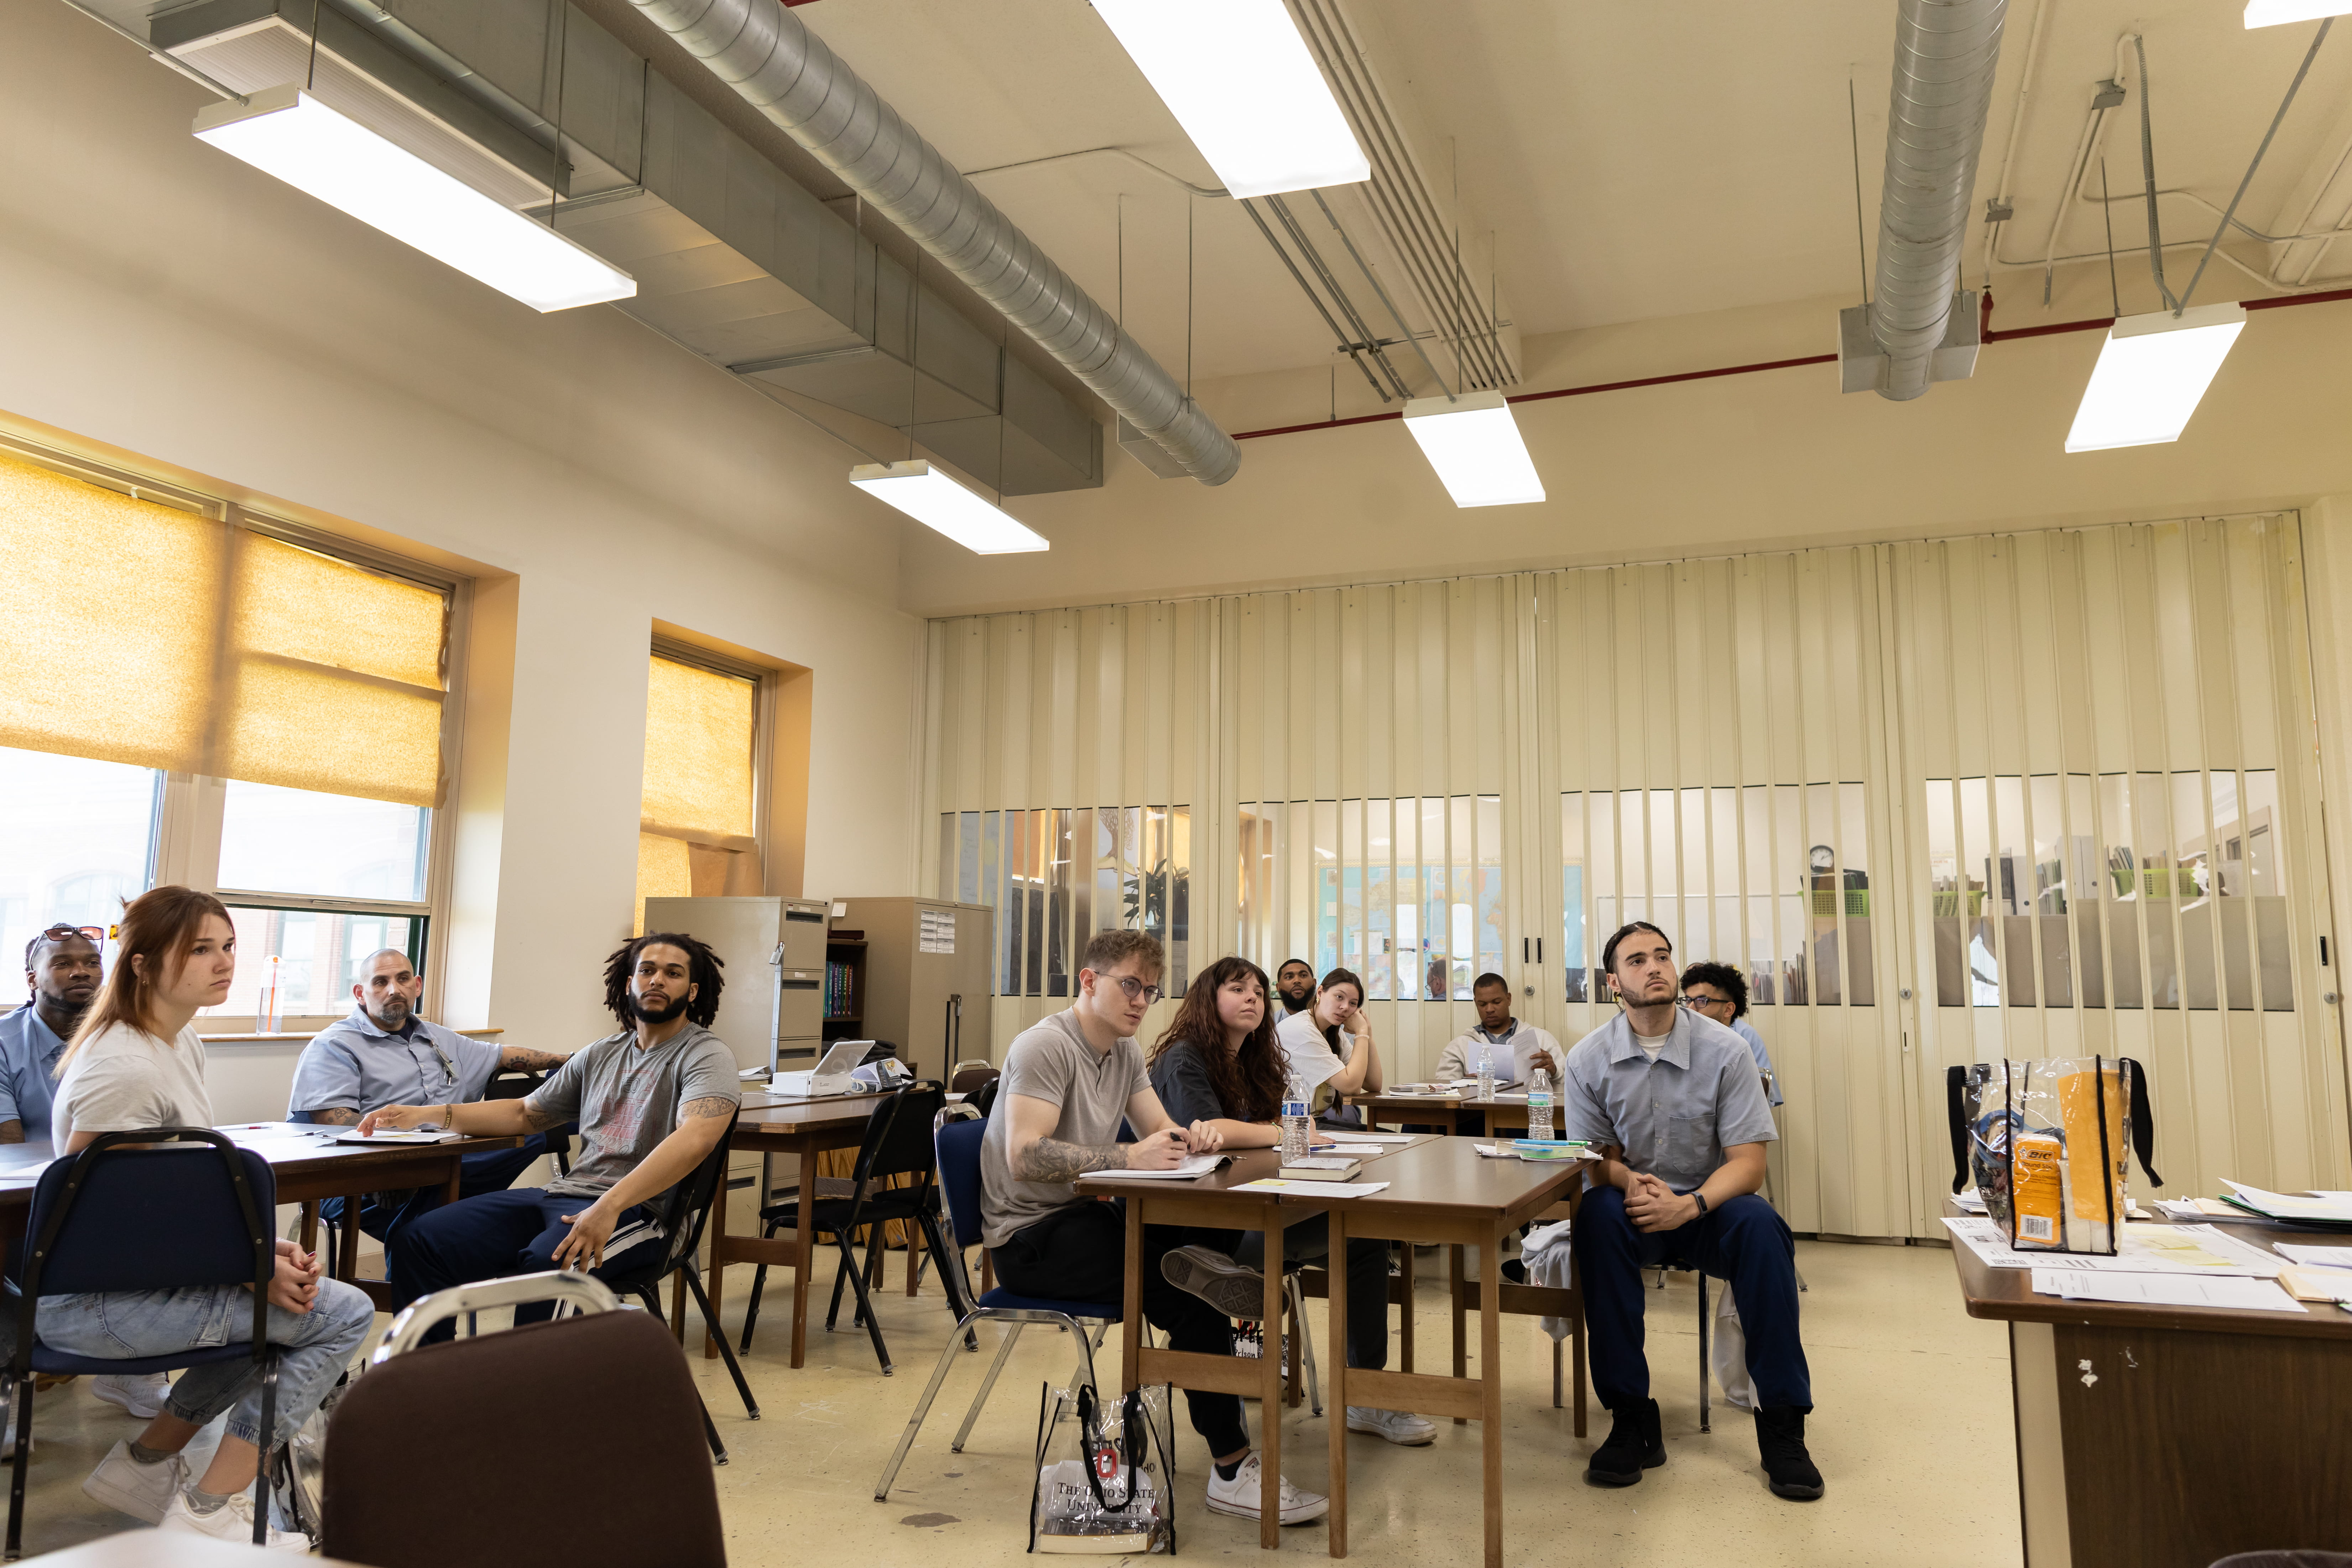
(136, 1063)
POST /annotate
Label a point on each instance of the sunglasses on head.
(94, 934)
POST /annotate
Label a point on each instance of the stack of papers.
(1194, 1166)
(2143, 1249)
(2165, 1291)
(1307, 1189)
(2331, 1210)
(2313, 1256)
(1331, 1135)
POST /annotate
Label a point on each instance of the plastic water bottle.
(1486, 1071)
(1297, 1131)
(1540, 1105)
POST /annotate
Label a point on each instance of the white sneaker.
(142, 1491)
(1239, 1497)
(1401, 1427)
(233, 1521)
(141, 1397)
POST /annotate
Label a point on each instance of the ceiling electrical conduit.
(771, 59)
(2099, 325)
(1946, 52)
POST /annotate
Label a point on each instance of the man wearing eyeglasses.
(1068, 1082)
(384, 1054)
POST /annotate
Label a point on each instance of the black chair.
(898, 1144)
(686, 1209)
(514, 1083)
(984, 1099)
(137, 1218)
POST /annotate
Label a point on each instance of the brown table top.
(770, 1114)
(2007, 1295)
(295, 1153)
(1432, 1175)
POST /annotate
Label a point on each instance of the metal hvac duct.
(762, 51)
(1944, 55)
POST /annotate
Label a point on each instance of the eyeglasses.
(1701, 1003)
(1135, 988)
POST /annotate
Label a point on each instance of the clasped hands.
(1653, 1206)
(295, 1285)
(1168, 1148)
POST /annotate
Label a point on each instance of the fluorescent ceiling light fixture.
(285, 131)
(2151, 372)
(934, 500)
(1474, 444)
(1238, 79)
(2270, 13)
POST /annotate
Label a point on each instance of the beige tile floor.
(1912, 1430)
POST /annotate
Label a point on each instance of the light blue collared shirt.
(29, 1049)
(352, 1065)
(1747, 1031)
(1673, 1117)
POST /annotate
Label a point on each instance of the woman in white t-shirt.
(1318, 1044)
(136, 1063)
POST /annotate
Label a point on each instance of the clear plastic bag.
(1109, 1499)
(2049, 1144)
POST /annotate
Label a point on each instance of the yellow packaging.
(2039, 1199)
(2098, 1196)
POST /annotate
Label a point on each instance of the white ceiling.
(1637, 162)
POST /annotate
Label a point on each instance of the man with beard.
(652, 1100)
(384, 1054)
(1294, 987)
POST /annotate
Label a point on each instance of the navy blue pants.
(503, 1233)
(1741, 1240)
(492, 1171)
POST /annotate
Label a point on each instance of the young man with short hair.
(1531, 1046)
(1673, 1102)
(1068, 1081)
(653, 1099)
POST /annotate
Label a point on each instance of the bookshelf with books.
(845, 985)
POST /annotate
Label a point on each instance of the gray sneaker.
(1235, 1291)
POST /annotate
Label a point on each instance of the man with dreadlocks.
(652, 1100)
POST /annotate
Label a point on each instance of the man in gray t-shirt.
(653, 1101)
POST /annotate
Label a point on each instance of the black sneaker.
(1636, 1443)
(1780, 1439)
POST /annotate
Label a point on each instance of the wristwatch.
(1699, 1198)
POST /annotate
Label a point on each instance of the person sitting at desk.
(134, 1064)
(1334, 1061)
(1719, 991)
(1531, 1046)
(1216, 1064)
(1068, 1081)
(62, 974)
(384, 1054)
(1294, 987)
(1672, 1102)
(653, 1099)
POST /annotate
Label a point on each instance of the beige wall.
(173, 309)
(1760, 461)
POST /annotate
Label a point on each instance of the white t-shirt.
(125, 1079)
(1653, 1044)
(1305, 1052)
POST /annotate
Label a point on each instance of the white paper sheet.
(2184, 1249)
(1193, 1167)
(1311, 1189)
(1331, 1135)
(2315, 1257)
(382, 1138)
(2285, 1205)
(2165, 1291)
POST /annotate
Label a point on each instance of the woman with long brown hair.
(1218, 1062)
(136, 1064)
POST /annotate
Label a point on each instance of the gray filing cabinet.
(926, 978)
(773, 953)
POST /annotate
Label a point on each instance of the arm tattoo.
(710, 1105)
(540, 1120)
(337, 1116)
(517, 1058)
(1050, 1159)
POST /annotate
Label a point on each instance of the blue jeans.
(313, 1347)
(1741, 1240)
(497, 1234)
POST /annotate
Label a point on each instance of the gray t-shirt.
(627, 1099)
(1051, 1061)
(127, 1080)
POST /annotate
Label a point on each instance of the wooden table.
(2172, 1437)
(1440, 1190)
(309, 1169)
(771, 1124)
(1447, 1112)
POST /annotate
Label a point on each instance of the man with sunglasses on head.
(1068, 1083)
(384, 1054)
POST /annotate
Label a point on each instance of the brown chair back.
(441, 1423)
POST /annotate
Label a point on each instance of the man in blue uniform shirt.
(384, 1054)
(1673, 1102)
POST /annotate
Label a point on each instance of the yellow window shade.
(665, 871)
(699, 727)
(306, 727)
(305, 606)
(107, 647)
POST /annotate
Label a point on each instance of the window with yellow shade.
(698, 830)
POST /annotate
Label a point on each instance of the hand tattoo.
(336, 1116)
(1050, 1159)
